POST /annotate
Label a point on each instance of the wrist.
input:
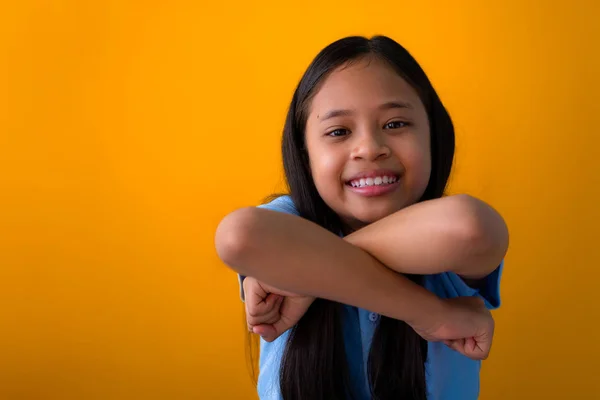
(427, 311)
(397, 297)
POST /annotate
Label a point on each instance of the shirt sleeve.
(282, 204)
(449, 285)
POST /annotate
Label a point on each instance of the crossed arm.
(458, 234)
(455, 233)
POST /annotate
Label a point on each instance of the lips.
(374, 190)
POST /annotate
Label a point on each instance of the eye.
(338, 132)
(396, 125)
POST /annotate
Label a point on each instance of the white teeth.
(378, 180)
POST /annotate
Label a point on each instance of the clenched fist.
(270, 311)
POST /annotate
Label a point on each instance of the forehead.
(364, 84)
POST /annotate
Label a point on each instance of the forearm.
(456, 233)
(296, 255)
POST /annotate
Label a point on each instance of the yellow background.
(128, 129)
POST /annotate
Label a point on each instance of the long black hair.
(314, 364)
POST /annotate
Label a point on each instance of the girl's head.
(366, 132)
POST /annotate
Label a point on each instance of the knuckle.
(256, 320)
(248, 282)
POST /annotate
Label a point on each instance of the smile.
(373, 181)
(372, 187)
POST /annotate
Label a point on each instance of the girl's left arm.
(456, 233)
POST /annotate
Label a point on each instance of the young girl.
(366, 281)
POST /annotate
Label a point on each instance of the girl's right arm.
(296, 255)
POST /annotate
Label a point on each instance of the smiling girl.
(367, 280)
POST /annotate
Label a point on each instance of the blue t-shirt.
(449, 375)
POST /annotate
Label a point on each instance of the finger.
(274, 314)
(272, 301)
(266, 331)
(282, 325)
(479, 350)
(472, 346)
(267, 315)
(456, 345)
(258, 306)
(255, 295)
(270, 317)
(278, 301)
(253, 290)
(469, 348)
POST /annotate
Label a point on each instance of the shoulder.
(283, 203)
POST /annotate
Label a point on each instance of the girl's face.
(367, 136)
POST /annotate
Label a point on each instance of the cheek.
(417, 161)
(326, 167)
(423, 172)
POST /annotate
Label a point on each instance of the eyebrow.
(385, 106)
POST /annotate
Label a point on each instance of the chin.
(374, 209)
(366, 217)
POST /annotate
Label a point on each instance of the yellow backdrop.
(128, 129)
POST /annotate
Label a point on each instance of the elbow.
(484, 233)
(233, 238)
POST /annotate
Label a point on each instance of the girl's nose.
(370, 146)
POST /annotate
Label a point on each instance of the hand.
(270, 311)
(465, 325)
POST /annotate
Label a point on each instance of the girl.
(366, 281)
